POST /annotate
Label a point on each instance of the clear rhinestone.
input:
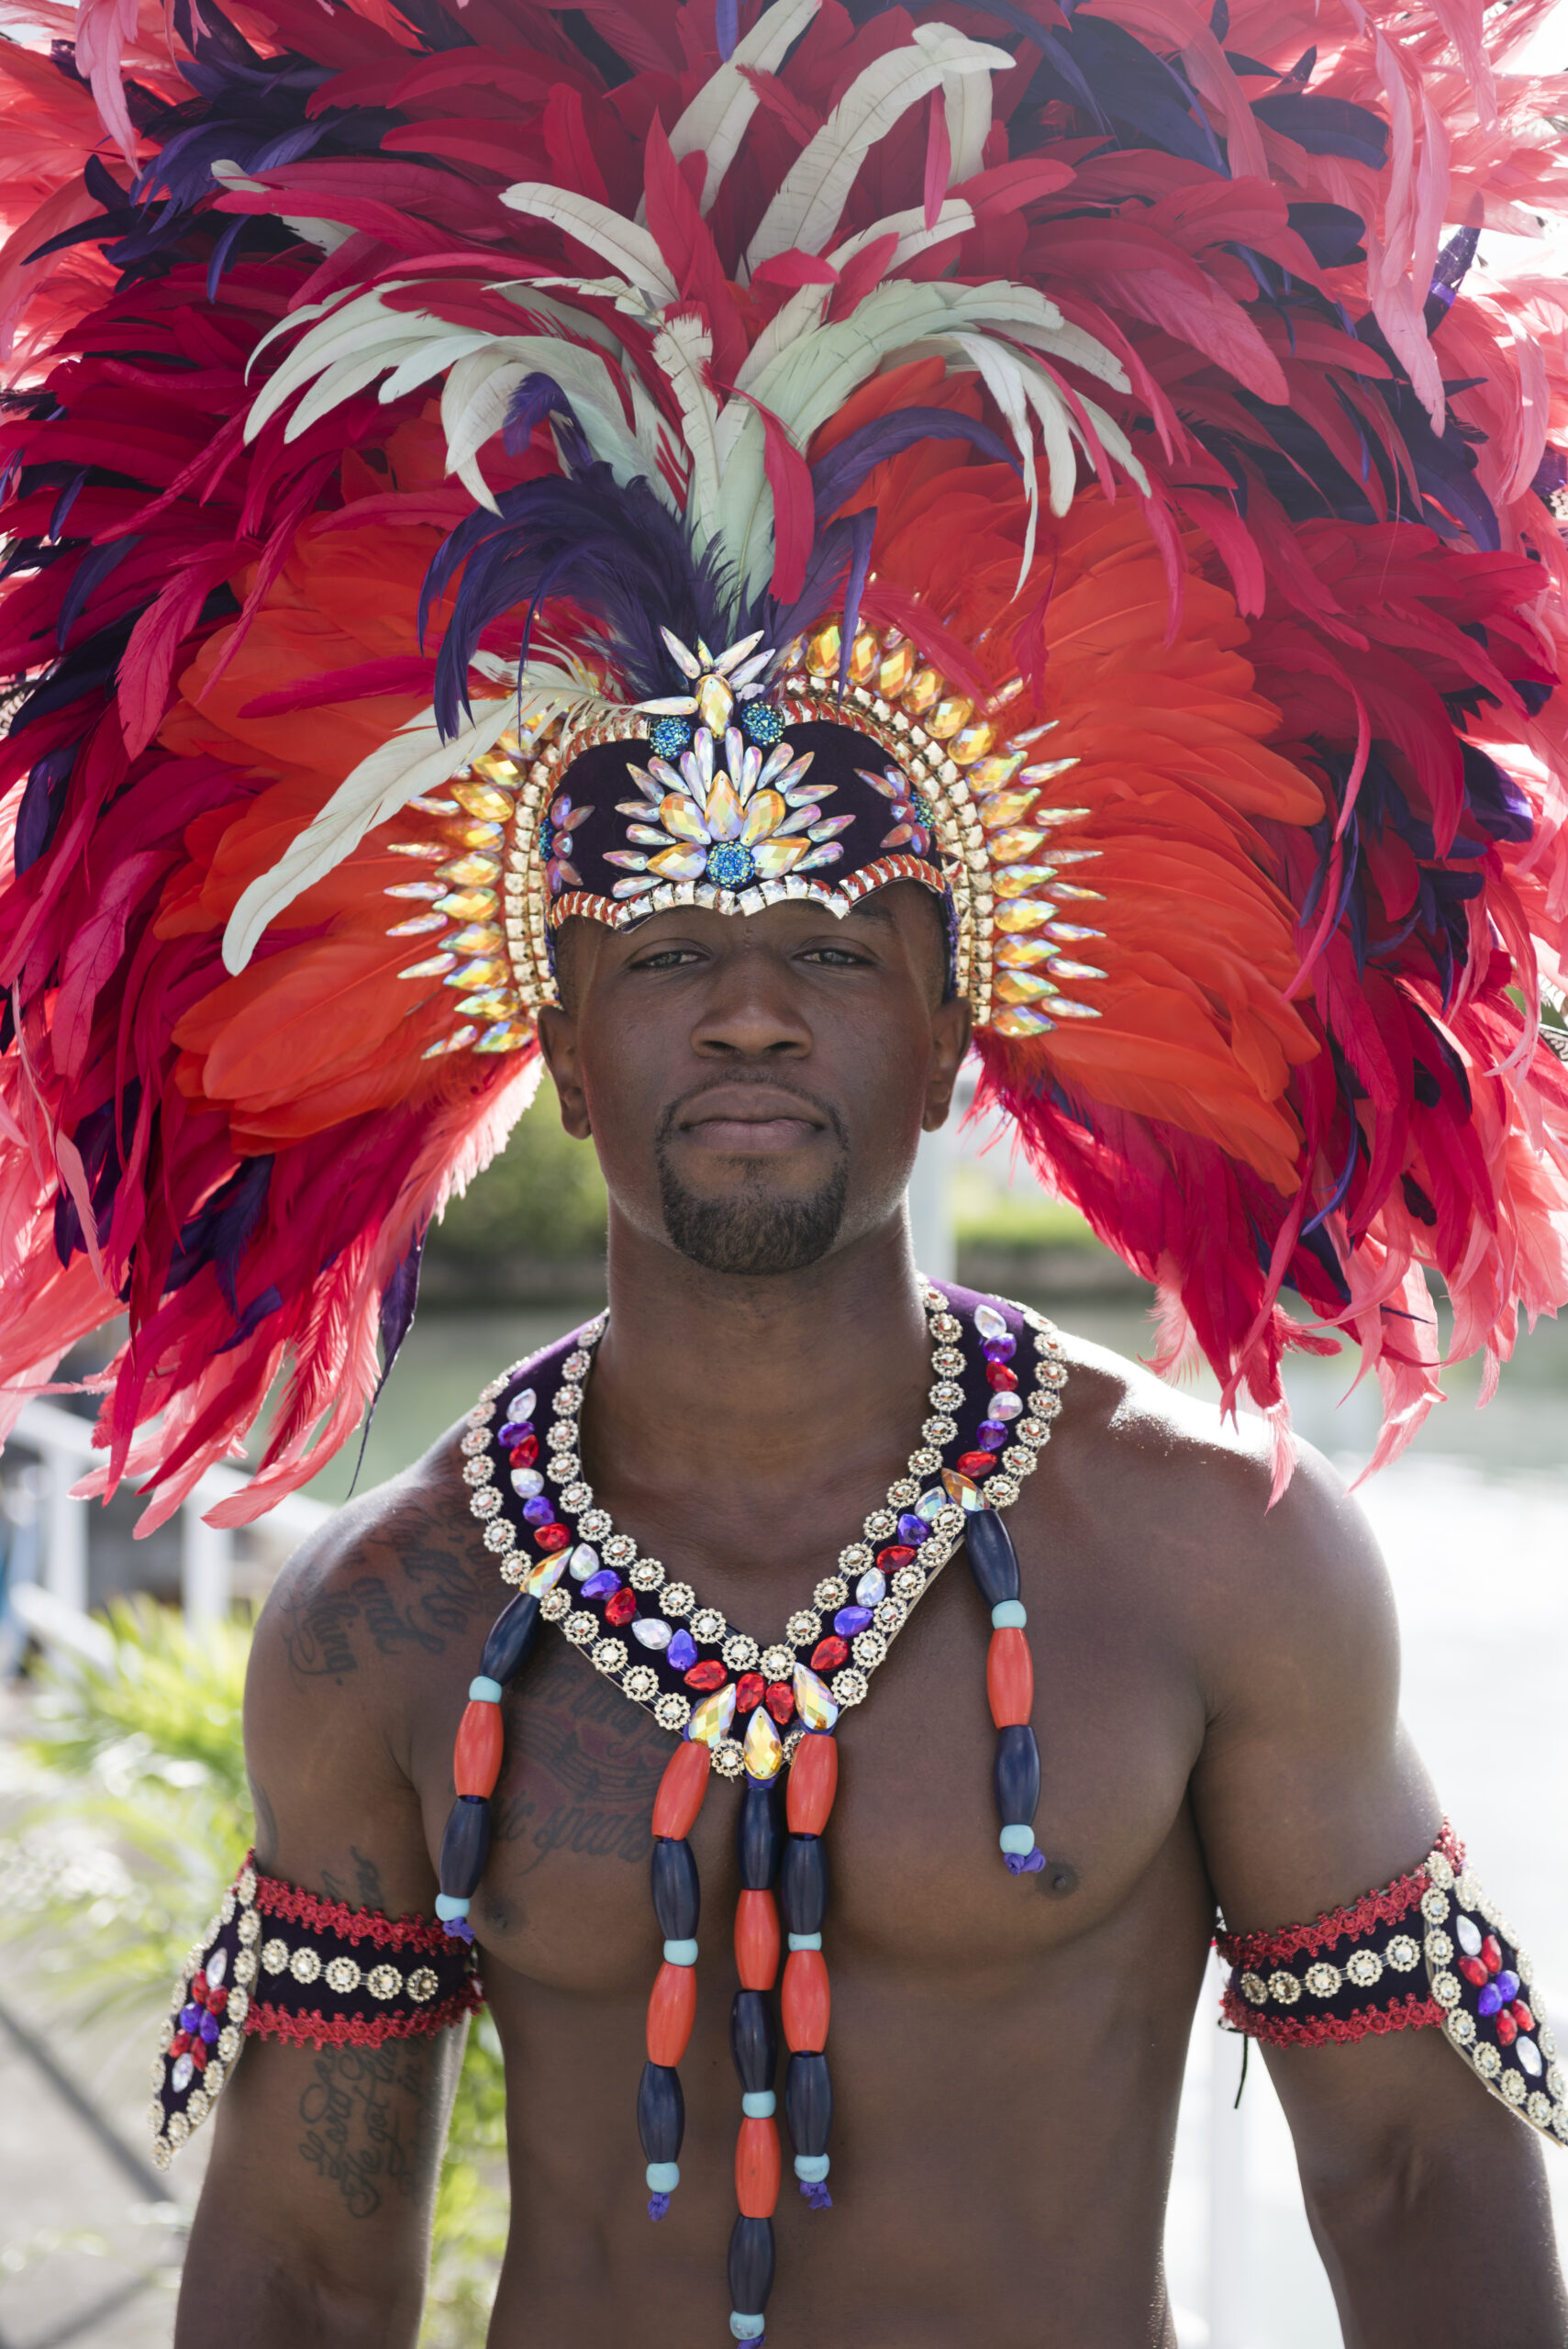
(830, 1592)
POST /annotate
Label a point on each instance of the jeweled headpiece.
(1138, 531)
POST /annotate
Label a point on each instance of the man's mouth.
(750, 1121)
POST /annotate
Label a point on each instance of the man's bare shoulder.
(1175, 1506)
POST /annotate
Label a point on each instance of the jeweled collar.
(691, 1669)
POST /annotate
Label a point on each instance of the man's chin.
(759, 1233)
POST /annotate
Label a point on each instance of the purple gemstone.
(990, 1435)
(1489, 2001)
(850, 1620)
(913, 1529)
(1508, 1987)
(514, 1433)
(538, 1511)
(190, 2018)
(210, 2028)
(1000, 1349)
(600, 1585)
(682, 1651)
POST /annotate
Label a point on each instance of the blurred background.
(123, 1809)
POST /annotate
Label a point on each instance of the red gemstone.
(216, 2001)
(552, 1537)
(706, 1677)
(780, 1701)
(198, 2052)
(1522, 2015)
(898, 1553)
(179, 2043)
(1507, 2028)
(829, 1654)
(620, 1607)
(1491, 1950)
(198, 1987)
(976, 1463)
(524, 1454)
(998, 1376)
(1473, 1970)
(748, 1692)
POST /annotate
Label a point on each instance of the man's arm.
(1427, 2198)
(313, 2228)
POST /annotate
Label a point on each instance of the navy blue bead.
(759, 1835)
(677, 1896)
(1016, 1776)
(512, 1635)
(808, 2103)
(803, 1883)
(750, 2264)
(512, 1433)
(754, 2040)
(660, 2112)
(465, 1845)
(992, 1558)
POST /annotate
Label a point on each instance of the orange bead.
(805, 2002)
(476, 1764)
(681, 1790)
(757, 1940)
(757, 2168)
(1009, 1679)
(671, 2010)
(813, 1783)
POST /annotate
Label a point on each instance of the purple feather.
(840, 473)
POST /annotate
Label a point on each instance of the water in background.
(1474, 1522)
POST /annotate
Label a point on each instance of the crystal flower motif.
(914, 818)
(747, 814)
(555, 844)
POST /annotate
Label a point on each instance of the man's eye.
(837, 957)
(667, 958)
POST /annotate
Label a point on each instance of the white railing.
(55, 1559)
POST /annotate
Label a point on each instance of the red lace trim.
(275, 1899)
(1410, 2013)
(1395, 1901)
(315, 2030)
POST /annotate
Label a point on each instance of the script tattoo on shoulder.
(368, 2127)
(406, 1591)
(592, 1764)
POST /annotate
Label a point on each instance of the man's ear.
(950, 1042)
(557, 1043)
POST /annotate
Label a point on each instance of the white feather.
(955, 220)
(683, 348)
(810, 199)
(432, 356)
(627, 248)
(337, 385)
(716, 120)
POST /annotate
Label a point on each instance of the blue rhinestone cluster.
(730, 864)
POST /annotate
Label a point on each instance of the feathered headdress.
(462, 473)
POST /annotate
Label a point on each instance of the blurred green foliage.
(543, 1196)
(139, 1819)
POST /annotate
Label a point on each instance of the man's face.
(756, 1085)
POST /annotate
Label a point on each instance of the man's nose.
(752, 1011)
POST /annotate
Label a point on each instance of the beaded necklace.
(687, 1665)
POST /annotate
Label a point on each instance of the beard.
(754, 1234)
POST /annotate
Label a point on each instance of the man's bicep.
(315, 2211)
(1307, 1792)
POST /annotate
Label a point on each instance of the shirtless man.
(1217, 1709)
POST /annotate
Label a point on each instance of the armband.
(277, 1963)
(1429, 1952)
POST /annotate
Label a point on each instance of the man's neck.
(714, 1381)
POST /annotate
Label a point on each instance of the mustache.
(671, 1116)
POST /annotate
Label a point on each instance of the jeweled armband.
(1430, 1950)
(277, 1963)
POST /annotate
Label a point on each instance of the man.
(879, 465)
(1218, 1718)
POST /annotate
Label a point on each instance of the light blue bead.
(664, 2177)
(1019, 1840)
(1010, 1615)
(747, 2328)
(680, 1953)
(448, 1906)
(805, 1940)
(812, 2168)
(483, 1690)
(759, 2104)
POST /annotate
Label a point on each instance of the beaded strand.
(672, 2006)
(806, 2001)
(753, 2032)
(1009, 1685)
(476, 1761)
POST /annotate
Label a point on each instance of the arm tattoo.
(367, 2122)
(434, 1595)
(365, 1892)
